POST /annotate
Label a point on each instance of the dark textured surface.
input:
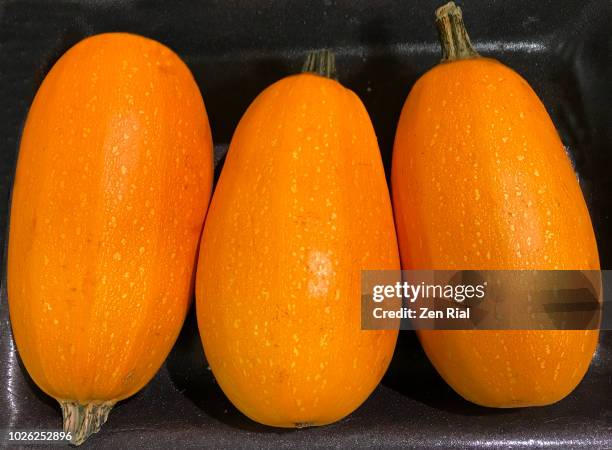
(235, 49)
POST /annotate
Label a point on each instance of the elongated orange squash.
(112, 184)
(300, 209)
(481, 181)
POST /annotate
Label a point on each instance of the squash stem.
(453, 35)
(322, 62)
(81, 421)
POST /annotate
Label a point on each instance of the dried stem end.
(453, 35)
(322, 62)
(81, 421)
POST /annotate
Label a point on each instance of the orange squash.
(111, 189)
(300, 209)
(481, 181)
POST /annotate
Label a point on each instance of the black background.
(237, 48)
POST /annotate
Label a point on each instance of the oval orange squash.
(481, 181)
(112, 185)
(300, 209)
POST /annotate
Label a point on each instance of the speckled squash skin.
(481, 180)
(300, 209)
(112, 185)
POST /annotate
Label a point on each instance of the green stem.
(453, 35)
(81, 421)
(322, 62)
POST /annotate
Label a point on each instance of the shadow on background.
(412, 375)
(190, 374)
(34, 389)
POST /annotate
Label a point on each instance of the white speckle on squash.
(320, 270)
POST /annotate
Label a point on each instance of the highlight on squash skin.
(481, 180)
(300, 209)
(111, 189)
